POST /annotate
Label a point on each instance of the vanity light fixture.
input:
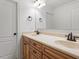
(39, 3)
(36, 3)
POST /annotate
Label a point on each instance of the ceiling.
(56, 3)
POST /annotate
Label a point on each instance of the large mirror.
(62, 15)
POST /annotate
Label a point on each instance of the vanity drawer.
(36, 53)
(52, 53)
(26, 39)
(48, 57)
(36, 45)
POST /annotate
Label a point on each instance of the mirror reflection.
(62, 15)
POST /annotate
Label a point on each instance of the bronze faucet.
(70, 37)
(37, 32)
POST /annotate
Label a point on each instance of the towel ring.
(29, 18)
(40, 19)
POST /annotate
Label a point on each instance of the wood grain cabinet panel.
(26, 39)
(36, 50)
(36, 45)
(26, 48)
(53, 53)
(36, 53)
(33, 57)
(45, 57)
(26, 51)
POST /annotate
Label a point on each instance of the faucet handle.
(69, 36)
(74, 38)
(37, 32)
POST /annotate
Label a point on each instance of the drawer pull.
(34, 52)
(24, 43)
(34, 44)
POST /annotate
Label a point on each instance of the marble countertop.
(59, 43)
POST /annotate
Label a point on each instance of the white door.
(7, 29)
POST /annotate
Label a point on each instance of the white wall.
(61, 18)
(25, 9)
(64, 17)
(61, 15)
(40, 13)
(75, 16)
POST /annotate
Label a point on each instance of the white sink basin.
(68, 44)
(65, 43)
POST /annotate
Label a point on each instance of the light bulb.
(41, 5)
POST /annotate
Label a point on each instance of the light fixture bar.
(39, 3)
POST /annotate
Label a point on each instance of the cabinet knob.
(34, 44)
(34, 52)
(24, 43)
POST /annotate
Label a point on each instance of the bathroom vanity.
(34, 47)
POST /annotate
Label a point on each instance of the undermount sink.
(68, 44)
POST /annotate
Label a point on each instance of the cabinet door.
(48, 57)
(45, 57)
(33, 57)
(36, 45)
(26, 51)
(34, 53)
(55, 54)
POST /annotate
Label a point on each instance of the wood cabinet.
(35, 53)
(26, 48)
(33, 57)
(36, 50)
(52, 53)
(36, 45)
(47, 57)
(26, 51)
